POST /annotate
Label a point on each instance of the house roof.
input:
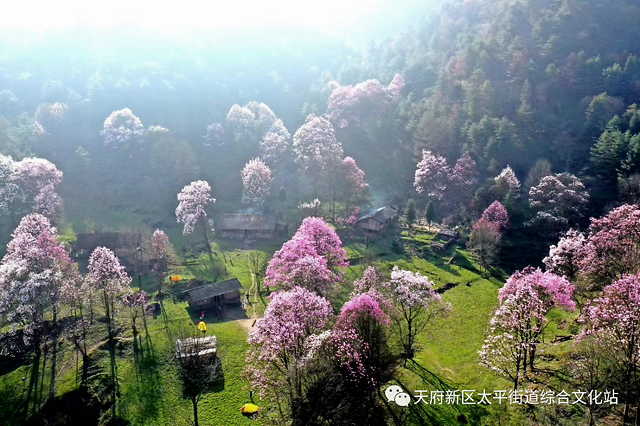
(252, 222)
(382, 214)
(208, 291)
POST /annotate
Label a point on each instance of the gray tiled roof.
(381, 215)
(211, 290)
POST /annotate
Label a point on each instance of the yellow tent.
(249, 408)
(202, 326)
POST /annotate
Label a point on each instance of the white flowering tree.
(193, 200)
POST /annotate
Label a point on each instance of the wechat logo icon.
(395, 394)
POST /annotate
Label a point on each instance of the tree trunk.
(195, 411)
(206, 239)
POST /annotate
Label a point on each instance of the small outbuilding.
(216, 295)
(196, 346)
(377, 220)
(246, 226)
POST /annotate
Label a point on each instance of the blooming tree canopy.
(106, 273)
(484, 242)
(560, 198)
(31, 274)
(35, 181)
(193, 199)
(432, 175)
(122, 129)
(355, 186)
(356, 338)
(507, 182)
(353, 105)
(275, 143)
(256, 181)
(465, 172)
(417, 303)
(516, 328)
(496, 215)
(563, 257)
(611, 249)
(324, 240)
(278, 340)
(318, 153)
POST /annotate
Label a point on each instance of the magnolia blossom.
(35, 181)
(352, 105)
(611, 249)
(317, 151)
(561, 198)
(309, 259)
(417, 303)
(507, 179)
(496, 215)
(465, 172)
(553, 290)
(193, 199)
(122, 128)
(354, 178)
(432, 175)
(277, 344)
(357, 325)
(31, 274)
(275, 143)
(256, 181)
(106, 273)
(563, 258)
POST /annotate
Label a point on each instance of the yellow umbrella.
(202, 326)
(249, 408)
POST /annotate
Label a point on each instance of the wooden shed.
(246, 226)
(377, 220)
(216, 295)
(196, 346)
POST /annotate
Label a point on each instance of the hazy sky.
(342, 16)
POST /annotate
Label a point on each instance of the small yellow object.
(175, 278)
(202, 326)
(249, 408)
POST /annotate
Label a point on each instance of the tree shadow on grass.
(148, 387)
(439, 413)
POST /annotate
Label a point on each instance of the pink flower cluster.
(256, 181)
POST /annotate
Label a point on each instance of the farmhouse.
(246, 226)
(377, 220)
(216, 295)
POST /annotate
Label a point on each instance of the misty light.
(329, 14)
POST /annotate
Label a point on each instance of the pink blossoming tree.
(496, 215)
(613, 320)
(108, 278)
(34, 185)
(278, 344)
(560, 199)
(517, 326)
(160, 245)
(355, 187)
(359, 339)
(611, 249)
